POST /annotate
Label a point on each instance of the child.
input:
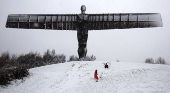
(95, 75)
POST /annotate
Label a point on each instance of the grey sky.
(133, 45)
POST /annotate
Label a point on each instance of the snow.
(78, 77)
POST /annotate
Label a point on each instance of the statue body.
(82, 35)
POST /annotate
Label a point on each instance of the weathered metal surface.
(82, 35)
(40, 21)
(124, 21)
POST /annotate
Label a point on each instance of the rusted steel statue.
(84, 22)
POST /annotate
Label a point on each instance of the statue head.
(83, 9)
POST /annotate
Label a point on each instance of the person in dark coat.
(106, 66)
(95, 75)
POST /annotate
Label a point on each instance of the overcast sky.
(131, 45)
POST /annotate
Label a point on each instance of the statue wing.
(95, 21)
(42, 21)
(124, 21)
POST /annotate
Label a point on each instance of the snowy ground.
(78, 77)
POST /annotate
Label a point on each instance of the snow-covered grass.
(78, 77)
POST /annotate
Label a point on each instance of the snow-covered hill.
(78, 77)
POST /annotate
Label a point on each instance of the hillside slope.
(78, 77)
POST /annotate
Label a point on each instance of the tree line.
(31, 59)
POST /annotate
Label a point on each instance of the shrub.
(8, 74)
(13, 60)
(90, 58)
(47, 57)
(59, 58)
(160, 61)
(4, 59)
(117, 60)
(87, 58)
(149, 60)
(73, 58)
(30, 60)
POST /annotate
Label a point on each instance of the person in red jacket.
(95, 75)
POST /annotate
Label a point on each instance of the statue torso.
(82, 21)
